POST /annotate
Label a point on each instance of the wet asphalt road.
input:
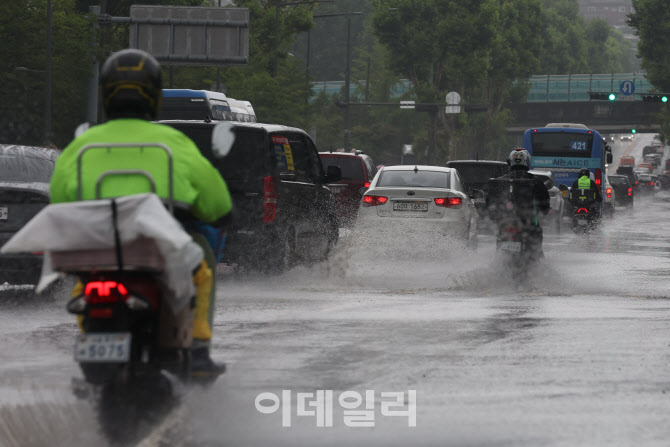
(578, 355)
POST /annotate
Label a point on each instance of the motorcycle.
(584, 216)
(136, 299)
(134, 351)
(509, 205)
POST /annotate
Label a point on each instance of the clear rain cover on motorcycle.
(89, 225)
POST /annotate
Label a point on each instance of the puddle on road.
(45, 418)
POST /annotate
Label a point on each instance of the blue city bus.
(188, 104)
(564, 149)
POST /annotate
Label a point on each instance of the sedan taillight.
(374, 200)
(449, 202)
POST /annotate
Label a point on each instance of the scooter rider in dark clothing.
(585, 191)
(519, 163)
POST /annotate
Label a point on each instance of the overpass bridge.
(563, 98)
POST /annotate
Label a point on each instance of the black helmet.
(130, 82)
(584, 172)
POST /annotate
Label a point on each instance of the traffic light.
(598, 96)
(602, 96)
(661, 97)
(633, 131)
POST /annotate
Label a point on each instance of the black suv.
(630, 173)
(476, 174)
(623, 190)
(284, 212)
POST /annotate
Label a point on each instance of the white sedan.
(427, 199)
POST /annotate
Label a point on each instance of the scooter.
(134, 348)
(134, 352)
(135, 301)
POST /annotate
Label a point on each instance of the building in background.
(613, 12)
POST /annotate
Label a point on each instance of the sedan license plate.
(102, 347)
(410, 206)
(4, 213)
(514, 246)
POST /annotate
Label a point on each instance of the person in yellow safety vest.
(585, 191)
(131, 88)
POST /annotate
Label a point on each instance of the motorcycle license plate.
(581, 222)
(514, 246)
(102, 347)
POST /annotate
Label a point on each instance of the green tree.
(608, 51)
(651, 22)
(565, 46)
(23, 43)
(439, 46)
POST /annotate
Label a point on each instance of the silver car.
(431, 200)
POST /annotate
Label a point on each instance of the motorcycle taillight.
(103, 292)
(137, 293)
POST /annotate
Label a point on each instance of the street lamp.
(347, 79)
(275, 63)
(47, 92)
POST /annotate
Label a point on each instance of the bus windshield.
(562, 144)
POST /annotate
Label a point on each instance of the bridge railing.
(576, 87)
(543, 88)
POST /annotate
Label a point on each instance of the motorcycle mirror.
(223, 137)
(83, 127)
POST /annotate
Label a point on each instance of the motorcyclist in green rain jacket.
(130, 84)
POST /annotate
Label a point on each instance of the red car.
(358, 170)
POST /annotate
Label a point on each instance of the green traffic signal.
(664, 99)
(612, 97)
(633, 131)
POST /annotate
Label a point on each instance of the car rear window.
(478, 173)
(16, 168)
(352, 167)
(618, 180)
(244, 162)
(426, 179)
